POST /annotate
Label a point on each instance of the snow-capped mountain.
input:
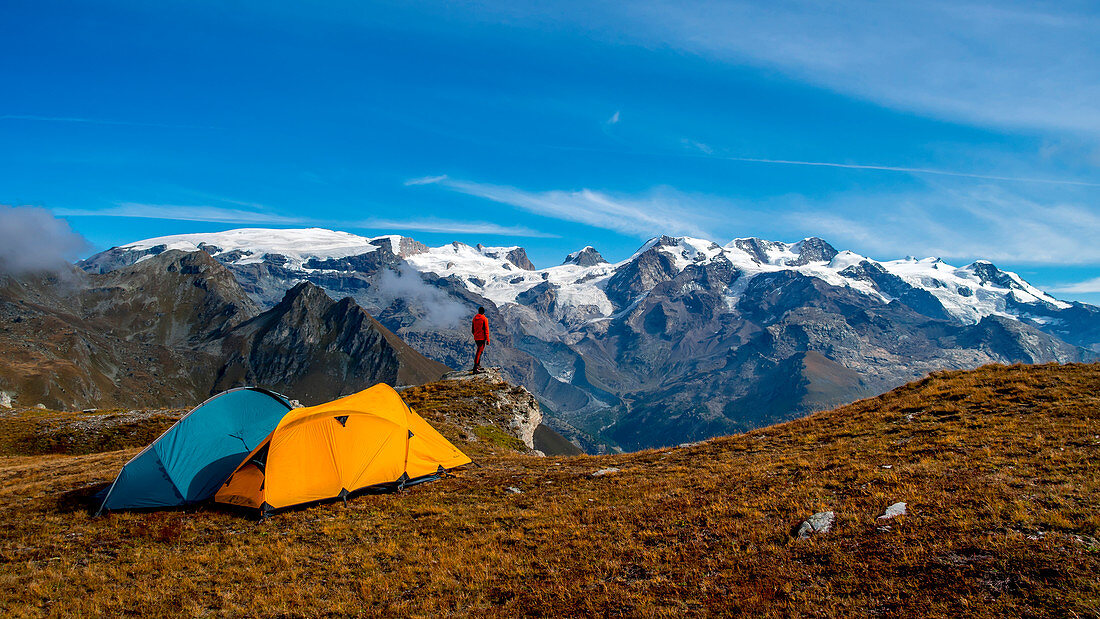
(501, 274)
(684, 338)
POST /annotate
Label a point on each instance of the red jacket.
(480, 328)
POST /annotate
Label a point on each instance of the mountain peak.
(306, 293)
(586, 257)
(812, 249)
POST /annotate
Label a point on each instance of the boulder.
(820, 522)
(895, 510)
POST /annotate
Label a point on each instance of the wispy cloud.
(614, 120)
(983, 222)
(98, 121)
(1012, 63)
(181, 212)
(662, 211)
(260, 215)
(1085, 287)
(696, 145)
(693, 149)
(886, 168)
(426, 180)
(443, 226)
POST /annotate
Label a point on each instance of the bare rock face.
(515, 255)
(405, 246)
(587, 257)
(640, 275)
(811, 250)
(526, 415)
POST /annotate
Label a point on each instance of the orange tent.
(365, 440)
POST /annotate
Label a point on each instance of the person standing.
(480, 329)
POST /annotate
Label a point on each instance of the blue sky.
(963, 130)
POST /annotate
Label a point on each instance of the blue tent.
(195, 456)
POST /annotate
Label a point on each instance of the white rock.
(514, 490)
(821, 522)
(5, 399)
(897, 509)
(608, 471)
(41, 406)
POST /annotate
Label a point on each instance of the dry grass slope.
(999, 467)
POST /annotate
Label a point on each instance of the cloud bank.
(33, 241)
(434, 308)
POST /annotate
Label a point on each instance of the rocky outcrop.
(517, 409)
(514, 255)
(483, 403)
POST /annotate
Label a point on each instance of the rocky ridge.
(176, 327)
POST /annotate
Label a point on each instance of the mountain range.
(683, 340)
(173, 329)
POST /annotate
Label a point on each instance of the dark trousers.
(477, 357)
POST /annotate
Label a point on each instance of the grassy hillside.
(1000, 468)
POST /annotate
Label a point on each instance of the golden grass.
(999, 467)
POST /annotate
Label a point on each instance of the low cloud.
(435, 308)
(32, 240)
